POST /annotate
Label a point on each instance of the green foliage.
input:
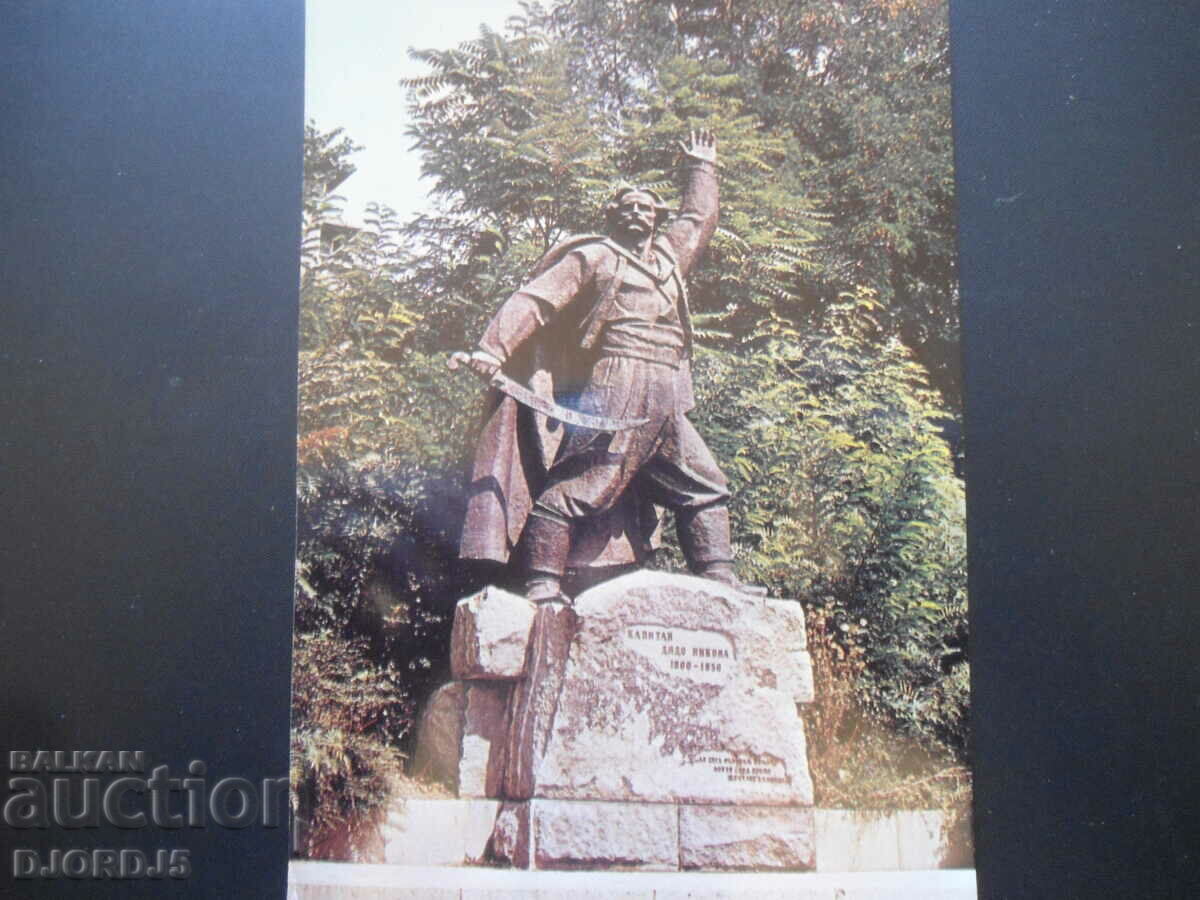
(326, 165)
(345, 709)
(379, 504)
(863, 86)
(846, 496)
(521, 158)
(515, 167)
(503, 137)
(762, 254)
(377, 578)
(833, 120)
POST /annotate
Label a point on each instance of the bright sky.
(356, 52)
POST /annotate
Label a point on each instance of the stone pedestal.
(587, 834)
(651, 725)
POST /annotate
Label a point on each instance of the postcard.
(631, 508)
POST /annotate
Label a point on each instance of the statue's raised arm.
(690, 232)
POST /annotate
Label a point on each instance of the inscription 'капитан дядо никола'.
(705, 656)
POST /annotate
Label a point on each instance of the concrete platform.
(351, 881)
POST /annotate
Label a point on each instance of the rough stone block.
(795, 635)
(750, 838)
(439, 736)
(510, 836)
(679, 689)
(490, 634)
(804, 691)
(484, 739)
(479, 819)
(580, 834)
(462, 738)
(536, 699)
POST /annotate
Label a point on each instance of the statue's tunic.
(624, 325)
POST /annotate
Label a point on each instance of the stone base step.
(351, 881)
(662, 837)
(454, 832)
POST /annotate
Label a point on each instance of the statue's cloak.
(517, 445)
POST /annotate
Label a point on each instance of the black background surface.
(1077, 129)
(150, 178)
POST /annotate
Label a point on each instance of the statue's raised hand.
(701, 145)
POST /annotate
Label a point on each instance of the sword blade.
(526, 397)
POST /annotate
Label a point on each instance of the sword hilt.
(460, 359)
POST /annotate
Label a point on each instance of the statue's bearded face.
(636, 214)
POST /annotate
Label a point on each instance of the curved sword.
(549, 408)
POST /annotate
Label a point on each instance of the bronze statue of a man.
(601, 328)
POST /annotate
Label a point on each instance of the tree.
(520, 159)
(761, 260)
(378, 505)
(864, 88)
(845, 497)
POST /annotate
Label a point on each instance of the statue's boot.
(545, 544)
(707, 546)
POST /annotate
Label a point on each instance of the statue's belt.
(547, 407)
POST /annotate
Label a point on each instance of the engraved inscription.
(743, 767)
(704, 656)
